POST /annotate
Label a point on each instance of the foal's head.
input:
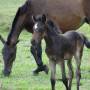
(43, 28)
(39, 28)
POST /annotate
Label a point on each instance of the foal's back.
(66, 45)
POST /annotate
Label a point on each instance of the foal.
(60, 47)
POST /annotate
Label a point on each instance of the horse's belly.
(68, 14)
(65, 24)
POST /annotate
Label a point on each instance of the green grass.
(21, 77)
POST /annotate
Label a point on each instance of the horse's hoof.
(40, 69)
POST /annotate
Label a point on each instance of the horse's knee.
(36, 51)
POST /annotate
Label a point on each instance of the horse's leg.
(9, 49)
(53, 72)
(78, 57)
(29, 27)
(69, 64)
(38, 59)
(64, 78)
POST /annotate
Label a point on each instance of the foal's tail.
(86, 41)
(2, 39)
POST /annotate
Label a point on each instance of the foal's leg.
(78, 57)
(64, 79)
(53, 72)
(69, 64)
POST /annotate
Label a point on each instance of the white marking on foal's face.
(36, 26)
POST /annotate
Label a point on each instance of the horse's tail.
(86, 41)
(2, 39)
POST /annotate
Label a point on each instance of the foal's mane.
(53, 28)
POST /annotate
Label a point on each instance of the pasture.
(22, 77)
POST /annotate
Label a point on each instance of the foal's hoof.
(40, 69)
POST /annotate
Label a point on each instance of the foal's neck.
(48, 41)
(52, 33)
(52, 29)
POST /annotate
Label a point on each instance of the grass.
(22, 77)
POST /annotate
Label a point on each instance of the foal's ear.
(44, 18)
(33, 18)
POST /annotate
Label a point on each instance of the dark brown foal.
(60, 47)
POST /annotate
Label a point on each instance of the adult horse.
(68, 14)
